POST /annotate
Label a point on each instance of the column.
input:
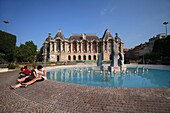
(61, 47)
(87, 48)
(68, 47)
(54, 47)
(97, 47)
(81, 47)
(51, 47)
(77, 47)
(65, 47)
(71, 44)
(91, 47)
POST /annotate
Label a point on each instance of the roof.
(60, 35)
(88, 37)
(106, 35)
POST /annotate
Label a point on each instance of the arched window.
(79, 57)
(89, 57)
(69, 57)
(94, 57)
(84, 57)
(58, 46)
(74, 57)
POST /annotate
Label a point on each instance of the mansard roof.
(88, 37)
(60, 35)
(79, 37)
(106, 35)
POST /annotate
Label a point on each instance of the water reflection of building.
(79, 46)
(147, 79)
(70, 75)
(85, 77)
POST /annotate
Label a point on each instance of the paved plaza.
(56, 97)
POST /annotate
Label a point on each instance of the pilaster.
(87, 48)
(81, 47)
(97, 47)
(61, 46)
(64, 47)
(55, 47)
(77, 47)
(91, 47)
(51, 47)
(71, 44)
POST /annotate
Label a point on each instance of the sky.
(134, 20)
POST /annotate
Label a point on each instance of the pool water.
(149, 78)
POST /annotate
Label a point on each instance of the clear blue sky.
(135, 20)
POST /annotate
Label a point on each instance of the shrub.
(11, 66)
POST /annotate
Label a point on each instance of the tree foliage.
(160, 53)
(7, 47)
(39, 55)
(162, 46)
(26, 52)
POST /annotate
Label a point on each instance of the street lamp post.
(166, 23)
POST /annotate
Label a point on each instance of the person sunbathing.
(41, 75)
(24, 72)
(25, 79)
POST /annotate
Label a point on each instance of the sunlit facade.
(79, 47)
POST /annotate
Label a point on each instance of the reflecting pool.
(148, 78)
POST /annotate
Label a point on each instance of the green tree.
(26, 52)
(160, 53)
(2, 57)
(162, 46)
(152, 58)
(39, 55)
(7, 46)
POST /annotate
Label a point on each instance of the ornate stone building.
(80, 47)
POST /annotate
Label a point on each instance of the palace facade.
(80, 47)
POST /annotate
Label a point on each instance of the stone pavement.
(56, 97)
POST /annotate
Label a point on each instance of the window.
(94, 57)
(79, 57)
(69, 57)
(89, 57)
(74, 57)
(84, 57)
